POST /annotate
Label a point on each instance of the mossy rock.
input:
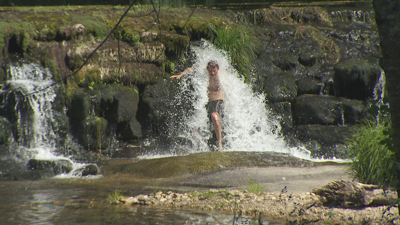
(356, 78)
(197, 163)
(281, 87)
(317, 109)
(62, 128)
(80, 106)
(96, 132)
(5, 131)
(285, 61)
(308, 85)
(175, 44)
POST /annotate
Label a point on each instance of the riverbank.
(284, 194)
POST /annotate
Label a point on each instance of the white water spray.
(248, 125)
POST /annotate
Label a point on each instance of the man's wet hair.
(212, 63)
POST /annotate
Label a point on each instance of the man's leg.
(217, 128)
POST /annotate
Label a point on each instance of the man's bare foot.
(220, 149)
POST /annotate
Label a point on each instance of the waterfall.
(248, 123)
(32, 106)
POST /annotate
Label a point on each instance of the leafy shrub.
(372, 160)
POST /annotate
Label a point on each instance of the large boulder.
(119, 104)
(281, 87)
(105, 110)
(5, 131)
(58, 166)
(157, 107)
(308, 85)
(327, 110)
(285, 61)
(356, 78)
(91, 169)
(317, 109)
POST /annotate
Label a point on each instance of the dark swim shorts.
(215, 106)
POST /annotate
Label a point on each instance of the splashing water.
(248, 125)
(36, 123)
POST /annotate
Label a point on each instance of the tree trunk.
(387, 14)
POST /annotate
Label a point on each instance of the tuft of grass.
(156, 189)
(116, 195)
(208, 194)
(372, 160)
(239, 44)
(256, 188)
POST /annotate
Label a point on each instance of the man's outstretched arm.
(181, 74)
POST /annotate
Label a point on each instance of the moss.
(22, 31)
(175, 44)
(72, 87)
(97, 127)
(93, 75)
(328, 46)
(130, 37)
(93, 26)
(198, 29)
(47, 24)
(49, 63)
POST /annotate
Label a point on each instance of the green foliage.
(115, 195)
(91, 85)
(255, 187)
(373, 162)
(22, 31)
(239, 44)
(131, 37)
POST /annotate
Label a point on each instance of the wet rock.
(308, 58)
(130, 200)
(325, 134)
(353, 194)
(79, 107)
(285, 61)
(5, 131)
(353, 110)
(308, 86)
(356, 78)
(281, 87)
(284, 110)
(155, 107)
(317, 109)
(56, 166)
(91, 169)
(119, 105)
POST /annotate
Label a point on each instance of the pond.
(84, 201)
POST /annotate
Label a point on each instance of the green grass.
(115, 195)
(372, 160)
(256, 188)
(239, 44)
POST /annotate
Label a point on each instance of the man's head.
(212, 67)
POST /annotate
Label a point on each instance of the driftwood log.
(349, 194)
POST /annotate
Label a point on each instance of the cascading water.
(34, 116)
(248, 125)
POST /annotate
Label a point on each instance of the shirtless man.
(216, 96)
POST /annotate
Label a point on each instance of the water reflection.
(84, 201)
